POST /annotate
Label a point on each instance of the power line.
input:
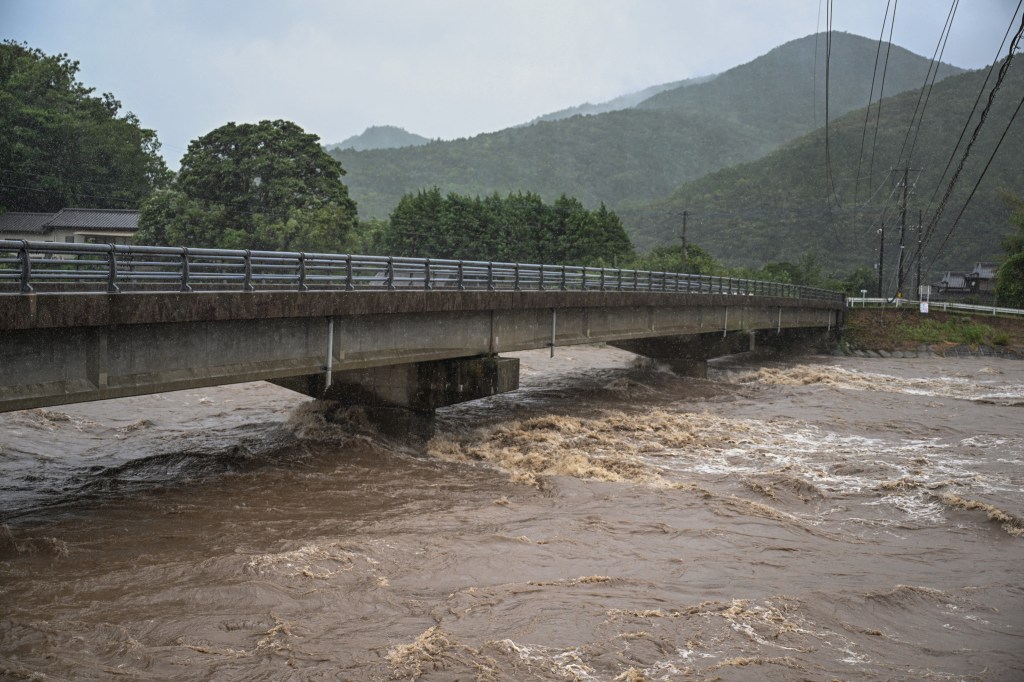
(929, 82)
(871, 95)
(974, 137)
(881, 89)
(975, 189)
(977, 101)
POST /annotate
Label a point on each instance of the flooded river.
(815, 519)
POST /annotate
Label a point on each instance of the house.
(72, 225)
(976, 286)
(953, 283)
(982, 280)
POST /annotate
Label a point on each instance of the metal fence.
(859, 302)
(41, 267)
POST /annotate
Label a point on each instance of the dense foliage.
(516, 228)
(61, 146)
(267, 185)
(1010, 277)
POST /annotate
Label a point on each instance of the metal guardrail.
(41, 267)
(857, 302)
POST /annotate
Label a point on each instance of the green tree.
(1010, 277)
(266, 185)
(62, 146)
(520, 227)
(670, 259)
(1010, 282)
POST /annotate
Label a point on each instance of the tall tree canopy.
(519, 227)
(266, 185)
(61, 146)
(1010, 278)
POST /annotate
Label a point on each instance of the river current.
(818, 518)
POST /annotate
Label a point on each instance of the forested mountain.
(380, 137)
(782, 94)
(623, 102)
(779, 208)
(637, 155)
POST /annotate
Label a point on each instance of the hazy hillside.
(624, 102)
(380, 137)
(636, 155)
(782, 93)
(777, 208)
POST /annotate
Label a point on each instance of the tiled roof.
(985, 270)
(96, 218)
(70, 218)
(25, 222)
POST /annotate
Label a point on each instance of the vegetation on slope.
(781, 206)
(907, 329)
(638, 155)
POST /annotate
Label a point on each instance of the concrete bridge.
(91, 322)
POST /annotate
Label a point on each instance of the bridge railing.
(41, 267)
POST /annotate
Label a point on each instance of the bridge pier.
(401, 399)
(688, 355)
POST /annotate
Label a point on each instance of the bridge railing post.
(427, 284)
(515, 278)
(302, 272)
(25, 265)
(461, 281)
(389, 274)
(562, 285)
(490, 276)
(247, 276)
(541, 277)
(349, 284)
(184, 286)
(112, 287)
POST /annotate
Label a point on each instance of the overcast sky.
(438, 68)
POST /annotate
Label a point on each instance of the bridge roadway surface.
(414, 349)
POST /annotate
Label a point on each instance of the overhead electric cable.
(830, 188)
(991, 157)
(977, 101)
(871, 96)
(933, 222)
(881, 89)
(926, 89)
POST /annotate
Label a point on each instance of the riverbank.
(908, 333)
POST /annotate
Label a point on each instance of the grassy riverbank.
(907, 329)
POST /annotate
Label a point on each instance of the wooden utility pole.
(903, 232)
(920, 256)
(903, 225)
(683, 237)
(881, 258)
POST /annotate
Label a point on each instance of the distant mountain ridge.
(622, 102)
(637, 155)
(380, 137)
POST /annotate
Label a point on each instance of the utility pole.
(920, 256)
(903, 226)
(683, 237)
(903, 230)
(881, 258)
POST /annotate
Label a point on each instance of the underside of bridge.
(688, 355)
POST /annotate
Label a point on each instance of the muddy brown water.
(819, 518)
